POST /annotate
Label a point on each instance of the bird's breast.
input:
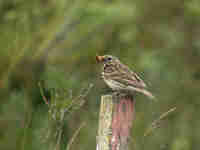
(108, 68)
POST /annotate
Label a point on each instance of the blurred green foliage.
(56, 42)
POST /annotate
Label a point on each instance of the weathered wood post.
(115, 121)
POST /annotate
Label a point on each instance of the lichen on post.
(105, 123)
(115, 121)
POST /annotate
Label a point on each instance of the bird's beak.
(100, 59)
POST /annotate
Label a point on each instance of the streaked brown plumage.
(119, 77)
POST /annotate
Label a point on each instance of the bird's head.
(106, 59)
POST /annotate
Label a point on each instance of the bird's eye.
(109, 58)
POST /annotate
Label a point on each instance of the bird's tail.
(143, 91)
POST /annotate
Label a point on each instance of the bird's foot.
(122, 94)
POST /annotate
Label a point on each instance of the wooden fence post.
(115, 121)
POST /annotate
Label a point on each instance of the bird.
(120, 77)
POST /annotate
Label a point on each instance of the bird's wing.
(129, 77)
(123, 75)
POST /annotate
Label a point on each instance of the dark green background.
(56, 41)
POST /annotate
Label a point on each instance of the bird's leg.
(121, 94)
(107, 90)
